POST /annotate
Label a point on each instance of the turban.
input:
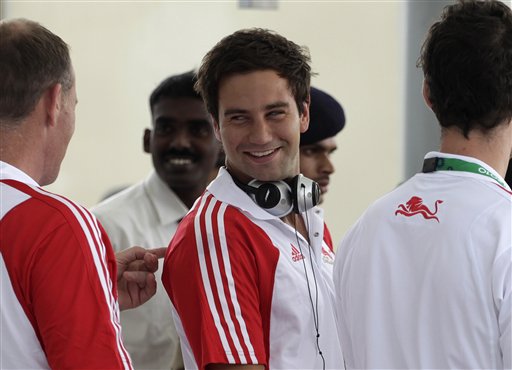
(326, 118)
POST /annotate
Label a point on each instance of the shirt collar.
(472, 160)
(168, 206)
(9, 172)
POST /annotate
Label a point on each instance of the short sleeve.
(213, 277)
(73, 297)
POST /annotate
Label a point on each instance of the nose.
(181, 139)
(261, 131)
(326, 165)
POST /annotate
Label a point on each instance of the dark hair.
(250, 50)
(178, 86)
(31, 60)
(467, 64)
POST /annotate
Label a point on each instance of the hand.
(136, 282)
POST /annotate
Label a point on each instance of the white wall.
(122, 50)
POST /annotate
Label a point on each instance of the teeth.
(262, 154)
(180, 161)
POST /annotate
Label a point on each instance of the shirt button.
(317, 211)
(316, 234)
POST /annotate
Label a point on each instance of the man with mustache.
(326, 120)
(184, 151)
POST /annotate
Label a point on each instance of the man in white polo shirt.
(423, 280)
(249, 268)
(183, 149)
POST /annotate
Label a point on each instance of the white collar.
(9, 172)
(472, 160)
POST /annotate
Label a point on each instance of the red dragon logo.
(415, 206)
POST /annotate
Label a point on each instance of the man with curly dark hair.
(424, 278)
(254, 249)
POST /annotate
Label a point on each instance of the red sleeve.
(221, 286)
(67, 289)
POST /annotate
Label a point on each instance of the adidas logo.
(296, 255)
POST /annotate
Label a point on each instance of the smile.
(180, 161)
(262, 154)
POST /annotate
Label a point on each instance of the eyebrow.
(165, 119)
(234, 111)
(279, 104)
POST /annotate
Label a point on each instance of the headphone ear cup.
(268, 195)
(273, 196)
(305, 193)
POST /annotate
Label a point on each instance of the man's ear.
(304, 117)
(216, 128)
(146, 140)
(53, 103)
(426, 94)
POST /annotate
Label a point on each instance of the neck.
(295, 220)
(21, 149)
(188, 196)
(493, 148)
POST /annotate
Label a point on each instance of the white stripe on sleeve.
(100, 267)
(206, 281)
(231, 283)
(218, 279)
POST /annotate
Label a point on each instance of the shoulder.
(47, 207)
(123, 209)
(52, 223)
(491, 221)
(215, 221)
(210, 209)
(120, 202)
(504, 194)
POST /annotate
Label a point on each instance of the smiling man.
(326, 120)
(184, 151)
(254, 250)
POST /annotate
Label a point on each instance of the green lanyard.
(453, 164)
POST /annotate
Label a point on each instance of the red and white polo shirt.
(58, 305)
(247, 289)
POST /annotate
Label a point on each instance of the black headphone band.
(245, 187)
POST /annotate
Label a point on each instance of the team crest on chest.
(328, 256)
(415, 206)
